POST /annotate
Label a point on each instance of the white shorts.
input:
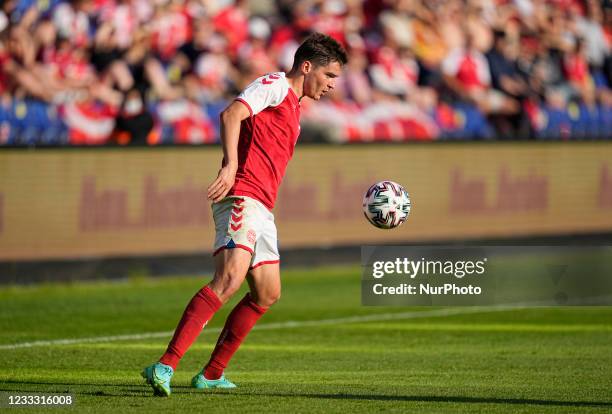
(245, 223)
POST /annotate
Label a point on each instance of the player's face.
(321, 79)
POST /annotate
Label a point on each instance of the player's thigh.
(231, 267)
(264, 276)
(265, 251)
(265, 284)
(237, 223)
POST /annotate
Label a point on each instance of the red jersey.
(468, 67)
(267, 137)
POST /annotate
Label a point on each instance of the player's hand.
(224, 182)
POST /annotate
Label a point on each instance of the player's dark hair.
(321, 50)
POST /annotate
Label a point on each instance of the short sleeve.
(266, 91)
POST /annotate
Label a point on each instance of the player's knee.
(268, 299)
(232, 288)
(275, 298)
(227, 283)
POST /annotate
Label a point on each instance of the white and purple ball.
(386, 204)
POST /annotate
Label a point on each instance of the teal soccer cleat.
(158, 376)
(201, 383)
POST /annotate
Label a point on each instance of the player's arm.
(230, 133)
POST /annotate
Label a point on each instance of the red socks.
(239, 323)
(201, 308)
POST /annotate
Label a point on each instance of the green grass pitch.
(540, 360)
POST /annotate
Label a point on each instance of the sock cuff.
(170, 358)
(210, 297)
(248, 300)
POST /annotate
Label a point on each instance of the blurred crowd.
(92, 72)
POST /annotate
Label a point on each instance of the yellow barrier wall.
(94, 203)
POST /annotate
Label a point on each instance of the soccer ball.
(386, 204)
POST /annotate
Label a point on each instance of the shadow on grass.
(142, 390)
(443, 399)
(67, 384)
(122, 389)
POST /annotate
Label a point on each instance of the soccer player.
(259, 130)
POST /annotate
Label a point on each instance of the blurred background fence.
(95, 204)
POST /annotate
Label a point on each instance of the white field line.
(279, 325)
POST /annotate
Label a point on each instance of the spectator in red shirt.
(577, 72)
(467, 73)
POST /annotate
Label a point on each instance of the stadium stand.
(100, 72)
